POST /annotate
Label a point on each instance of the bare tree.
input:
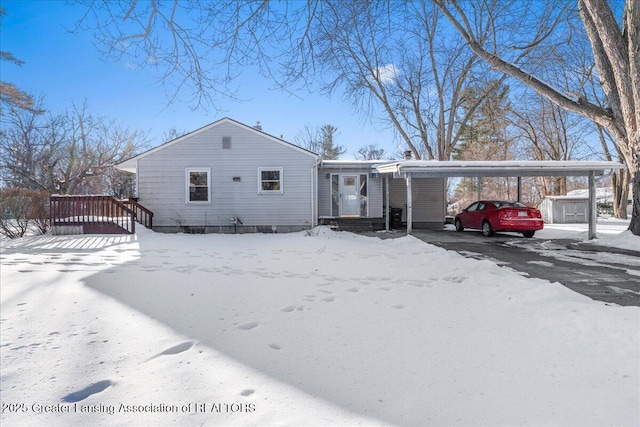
(615, 46)
(72, 152)
(321, 141)
(418, 87)
(346, 47)
(371, 152)
(548, 132)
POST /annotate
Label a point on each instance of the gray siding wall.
(375, 196)
(162, 181)
(427, 197)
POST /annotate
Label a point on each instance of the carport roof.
(443, 169)
(435, 168)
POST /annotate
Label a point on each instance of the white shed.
(565, 209)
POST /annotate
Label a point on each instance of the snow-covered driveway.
(603, 273)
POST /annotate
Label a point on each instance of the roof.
(130, 165)
(354, 164)
(437, 168)
(567, 197)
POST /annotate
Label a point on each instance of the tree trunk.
(634, 225)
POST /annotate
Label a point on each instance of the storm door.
(349, 191)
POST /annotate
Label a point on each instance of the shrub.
(22, 209)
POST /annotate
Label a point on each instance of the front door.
(349, 191)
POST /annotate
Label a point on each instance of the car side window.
(473, 207)
(482, 207)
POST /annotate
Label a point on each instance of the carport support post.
(593, 212)
(519, 189)
(409, 206)
(387, 209)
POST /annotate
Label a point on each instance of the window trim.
(187, 174)
(270, 169)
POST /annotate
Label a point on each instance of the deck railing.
(143, 215)
(99, 213)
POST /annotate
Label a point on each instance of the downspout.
(387, 210)
(409, 204)
(314, 192)
(137, 177)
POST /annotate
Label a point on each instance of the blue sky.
(66, 68)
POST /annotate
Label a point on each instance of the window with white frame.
(270, 181)
(198, 185)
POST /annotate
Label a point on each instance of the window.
(226, 142)
(198, 185)
(269, 180)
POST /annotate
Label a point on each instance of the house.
(227, 177)
(230, 177)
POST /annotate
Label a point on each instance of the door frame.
(358, 176)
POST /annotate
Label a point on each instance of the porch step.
(354, 224)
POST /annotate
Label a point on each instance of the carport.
(409, 169)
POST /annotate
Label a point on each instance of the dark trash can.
(396, 218)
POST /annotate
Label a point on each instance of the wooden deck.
(97, 215)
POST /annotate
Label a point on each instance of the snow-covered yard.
(319, 328)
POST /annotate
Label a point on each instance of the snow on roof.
(354, 164)
(453, 168)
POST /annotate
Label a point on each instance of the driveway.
(604, 274)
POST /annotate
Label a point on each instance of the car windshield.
(502, 203)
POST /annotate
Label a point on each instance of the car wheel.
(487, 230)
(528, 234)
(459, 226)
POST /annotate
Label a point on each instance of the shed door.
(349, 191)
(575, 212)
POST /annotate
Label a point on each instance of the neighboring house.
(228, 177)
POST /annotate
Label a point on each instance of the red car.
(498, 215)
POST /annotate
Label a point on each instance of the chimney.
(407, 155)
(257, 125)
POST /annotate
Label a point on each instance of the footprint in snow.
(77, 396)
(329, 299)
(176, 349)
(275, 346)
(247, 392)
(248, 326)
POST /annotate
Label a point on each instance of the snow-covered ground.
(319, 328)
(609, 232)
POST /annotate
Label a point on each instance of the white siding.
(162, 186)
